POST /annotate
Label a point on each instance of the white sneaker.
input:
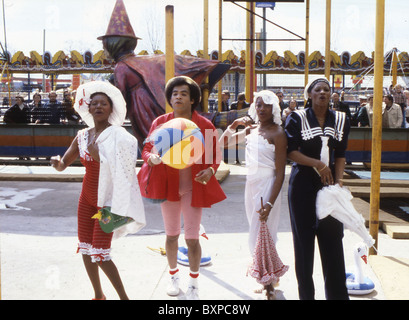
(192, 293)
(173, 287)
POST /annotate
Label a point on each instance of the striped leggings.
(172, 210)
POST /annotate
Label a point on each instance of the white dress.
(260, 162)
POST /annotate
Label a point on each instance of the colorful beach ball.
(179, 142)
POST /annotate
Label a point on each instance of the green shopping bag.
(110, 221)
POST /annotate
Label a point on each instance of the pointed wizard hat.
(119, 24)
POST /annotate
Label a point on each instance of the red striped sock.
(173, 271)
(193, 274)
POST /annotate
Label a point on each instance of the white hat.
(312, 83)
(83, 100)
(268, 97)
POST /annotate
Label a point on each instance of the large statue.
(141, 79)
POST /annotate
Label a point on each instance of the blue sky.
(76, 24)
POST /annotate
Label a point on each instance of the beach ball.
(179, 142)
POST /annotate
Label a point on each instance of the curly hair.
(195, 92)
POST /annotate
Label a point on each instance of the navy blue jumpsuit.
(304, 134)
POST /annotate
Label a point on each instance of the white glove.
(155, 159)
(55, 160)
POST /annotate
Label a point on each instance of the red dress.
(92, 240)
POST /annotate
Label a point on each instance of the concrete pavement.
(39, 260)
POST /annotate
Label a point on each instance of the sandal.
(103, 298)
(259, 290)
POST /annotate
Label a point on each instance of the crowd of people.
(314, 138)
(394, 109)
(39, 112)
(395, 113)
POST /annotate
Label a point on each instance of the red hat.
(119, 25)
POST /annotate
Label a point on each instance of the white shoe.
(173, 287)
(192, 293)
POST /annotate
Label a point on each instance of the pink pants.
(172, 210)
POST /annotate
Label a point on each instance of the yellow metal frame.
(170, 52)
(377, 124)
